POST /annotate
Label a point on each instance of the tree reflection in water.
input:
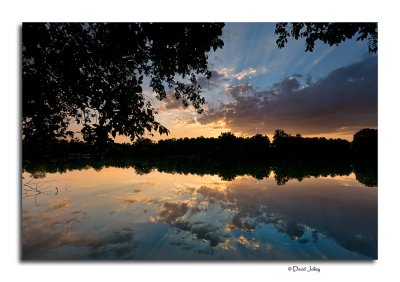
(227, 169)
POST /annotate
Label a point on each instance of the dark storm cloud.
(345, 100)
(241, 89)
(286, 86)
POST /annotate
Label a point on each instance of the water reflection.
(116, 213)
(228, 169)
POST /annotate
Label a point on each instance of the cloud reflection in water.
(202, 217)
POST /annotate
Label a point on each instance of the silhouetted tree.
(365, 143)
(227, 140)
(329, 33)
(280, 135)
(259, 145)
(92, 74)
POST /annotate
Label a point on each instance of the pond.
(120, 213)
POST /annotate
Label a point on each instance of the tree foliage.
(365, 143)
(329, 33)
(287, 146)
(92, 74)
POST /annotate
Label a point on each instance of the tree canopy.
(92, 74)
(365, 143)
(329, 33)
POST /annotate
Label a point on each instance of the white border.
(14, 12)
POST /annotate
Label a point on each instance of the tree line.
(228, 156)
(227, 145)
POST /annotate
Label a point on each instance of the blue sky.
(252, 45)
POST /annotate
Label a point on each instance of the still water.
(120, 214)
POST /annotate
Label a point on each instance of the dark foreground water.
(119, 213)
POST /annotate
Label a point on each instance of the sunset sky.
(256, 87)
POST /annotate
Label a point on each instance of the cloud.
(286, 86)
(227, 72)
(240, 89)
(43, 236)
(172, 211)
(251, 72)
(60, 204)
(128, 199)
(245, 73)
(170, 102)
(343, 101)
(216, 83)
(216, 79)
(230, 214)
